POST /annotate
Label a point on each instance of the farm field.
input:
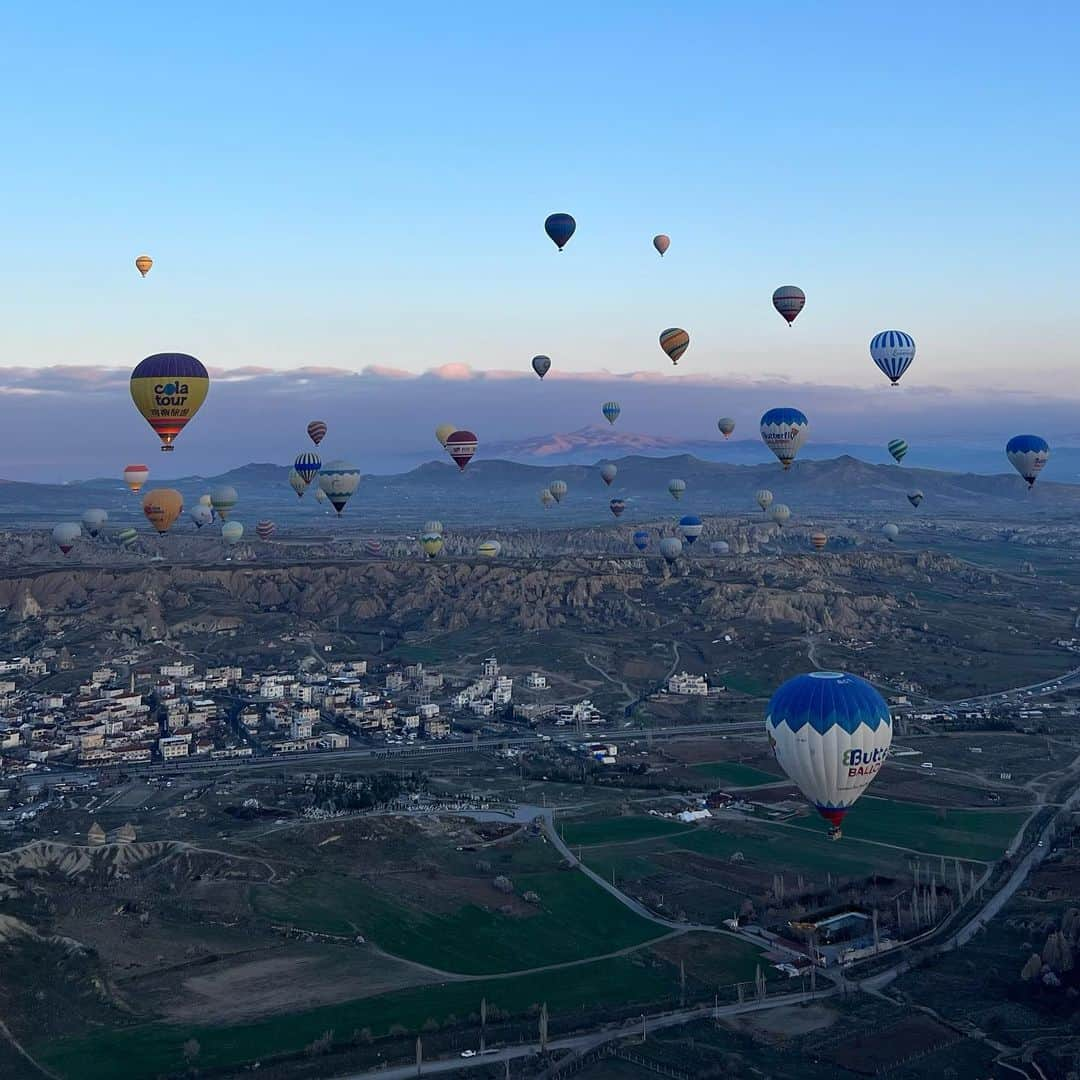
(979, 835)
(735, 774)
(618, 830)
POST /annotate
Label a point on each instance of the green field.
(735, 774)
(618, 830)
(150, 1050)
(962, 834)
(574, 921)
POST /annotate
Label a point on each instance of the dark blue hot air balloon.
(641, 539)
(560, 227)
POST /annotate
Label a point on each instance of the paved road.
(588, 1041)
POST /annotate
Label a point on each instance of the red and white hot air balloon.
(316, 431)
(135, 476)
(461, 445)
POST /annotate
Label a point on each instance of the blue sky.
(338, 185)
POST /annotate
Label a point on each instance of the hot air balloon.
(789, 300)
(676, 488)
(432, 543)
(547, 500)
(489, 549)
(726, 426)
(162, 507)
(557, 489)
(608, 472)
(764, 499)
(316, 431)
(143, 264)
(307, 464)
(373, 546)
(915, 497)
(560, 227)
(661, 243)
(611, 411)
(320, 495)
(223, 499)
(461, 445)
(617, 506)
(168, 389)
(818, 540)
(1027, 454)
(898, 448)
(783, 431)
(779, 514)
(339, 480)
(830, 733)
(690, 526)
(443, 432)
(641, 539)
(892, 351)
(433, 526)
(126, 537)
(135, 476)
(674, 341)
(231, 532)
(265, 529)
(94, 520)
(201, 515)
(205, 500)
(671, 548)
(719, 547)
(890, 532)
(65, 534)
(541, 365)
(297, 483)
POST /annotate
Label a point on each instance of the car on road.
(468, 1053)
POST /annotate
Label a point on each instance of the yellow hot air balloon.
(444, 431)
(168, 389)
(143, 264)
(162, 507)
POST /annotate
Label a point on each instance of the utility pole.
(419, 1056)
(483, 1023)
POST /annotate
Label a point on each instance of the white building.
(692, 685)
(535, 681)
(174, 746)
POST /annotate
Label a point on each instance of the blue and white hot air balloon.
(892, 351)
(1027, 454)
(690, 526)
(641, 539)
(831, 734)
(307, 464)
(611, 411)
(783, 431)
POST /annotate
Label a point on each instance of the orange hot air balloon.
(135, 476)
(162, 507)
(143, 264)
(661, 243)
(168, 389)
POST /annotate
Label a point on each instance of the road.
(588, 1041)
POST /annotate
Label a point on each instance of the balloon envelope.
(432, 543)
(641, 539)
(461, 446)
(547, 500)
(560, 227)
(135, 476)
(890, 532)
(671, 548)
(93, 520)
(489, 549)
(617, 507)
(223, 499)
(443, 432)
(676, 488)
(674, 341)
(726, 426)
(307, 464)
(690, 526)
(339, 481)
(719, 547)
(611, 411)
(1027, 454)
(608, 472)
(297, 483)
(65, 534)
(783, 431)
(127, 537)
(541, 365)
(831, 734)
(557, 489)
(779, 513)
(162, 507)
(231, 532)
(915, 497)
(789, 300)
(201, 515)
(169, 389)
(316, 431)
(764, 498)
(661, 242)
(143, 264)
(892, 351)
(818, 540)
(898, 449)
(265, 529)
(434, 527)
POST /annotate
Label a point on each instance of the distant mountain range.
(507, 492)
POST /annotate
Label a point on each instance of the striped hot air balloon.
(135, 476)
(316, 431)
(674, 341)
(789, 300)
(265, 529)
(617, 507)
(232, 532)
(892, 351)
(126, 537)
(898, 448)
(432, 543)
(611, 411)
(489, 549)
(143, 264)
(690, 526)
(223, 499)
(373, 546)
(307, 464)
(818, 540)
(676, 488)
(461, 446)
(168, 389)
(558, 490)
